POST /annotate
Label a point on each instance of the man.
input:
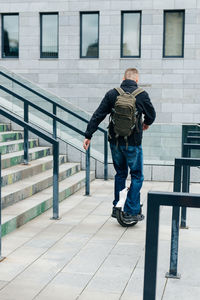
(125, 153)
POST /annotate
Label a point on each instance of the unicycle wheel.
(121, 221)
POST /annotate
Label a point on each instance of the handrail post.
(175, 227)
(185, 189)
(56, 181)
(54, 121)
(185, 186)
(26, 146)
(87, 179)
(1, 257)
(151, 250)
(105, 155)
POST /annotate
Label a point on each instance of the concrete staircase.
(27, 189)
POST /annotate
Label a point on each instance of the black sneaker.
(114, 212)
(132, 218)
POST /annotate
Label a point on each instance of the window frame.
(164, 31)
(2, 35)
(122, 33)
(41, 22)
(81, 38)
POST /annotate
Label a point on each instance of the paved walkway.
(87, 255)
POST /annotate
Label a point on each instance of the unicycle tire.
(121, 221)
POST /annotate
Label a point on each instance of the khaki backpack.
(124, 114)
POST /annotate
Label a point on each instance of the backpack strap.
(120, 91)
(137, 91)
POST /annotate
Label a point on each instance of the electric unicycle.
(120, 217)
(120, 210)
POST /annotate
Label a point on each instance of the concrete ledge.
(11, 136)
(15, 146)
(15, 158)
(153, 171)
(5, 127)
(30, 186)
(21, 213)
(20, 172)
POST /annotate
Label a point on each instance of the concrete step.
(5, 127)
(14, 146)
(20, 172)
(15, 158)
(20, 213)
(11, 136)
(30, 186)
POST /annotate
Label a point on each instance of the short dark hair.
(129, 72)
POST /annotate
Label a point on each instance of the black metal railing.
(193, 133)
(193, 138)
(188, 131)
(181, 184)
(187, 148)
(1, 257)
(154, 201)
(51, 140)
(179, 198)
(55, 119)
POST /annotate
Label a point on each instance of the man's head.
(132, 74)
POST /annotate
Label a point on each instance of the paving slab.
(87, 255)
(65, 286)
(3, 283)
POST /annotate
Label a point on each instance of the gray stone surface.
(163, 173)
(87, 255)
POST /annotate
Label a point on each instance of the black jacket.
(143, 105)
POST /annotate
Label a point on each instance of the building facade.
(89, 44)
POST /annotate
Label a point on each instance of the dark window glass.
(10, 35)
(89, 44)
(49, 35)
(131, 34)
(173, 33)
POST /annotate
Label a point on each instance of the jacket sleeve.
(148, 110)
(98, 116)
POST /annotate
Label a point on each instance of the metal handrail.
(49, 100)
(187, 147)
(181, 184)
(1, 257)
(49, 139)
(154, 201)
(192, 132)
(193, 138)
(55, 118)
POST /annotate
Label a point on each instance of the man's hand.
(145, 126)
(86, 143)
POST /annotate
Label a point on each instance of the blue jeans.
(132, 157)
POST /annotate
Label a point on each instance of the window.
(49, 35)
(173, 33)
(131, 34)
(10, 35)
(89, 35)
